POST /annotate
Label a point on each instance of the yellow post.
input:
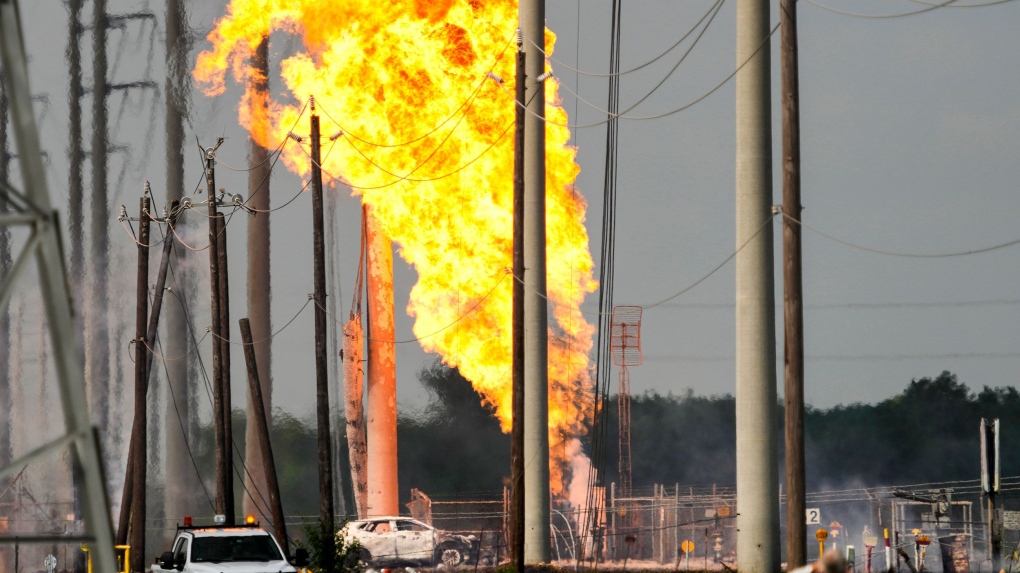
(88, 558)
(821, 535)
(125, 563)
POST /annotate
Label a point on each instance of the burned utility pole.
(321, 381)
(793, 305)
(139, 455)
(262, 422)
(381, 420)
(221, 419)
(517, 409)
(757, 440)
(536, 314)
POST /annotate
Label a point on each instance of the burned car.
(402, 540)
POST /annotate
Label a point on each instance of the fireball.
(417, 96)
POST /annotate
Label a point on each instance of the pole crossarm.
(55, 294)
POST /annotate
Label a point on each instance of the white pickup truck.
(227, 549)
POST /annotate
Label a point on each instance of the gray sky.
(908, 144)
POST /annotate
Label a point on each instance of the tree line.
(453, 444)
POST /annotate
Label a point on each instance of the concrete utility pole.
(259, 284)
(383, 490)
(75, 192)
(757, 451)
(321, 376)
(98, 360)
(262, 421)
(536, 335)
(990, 487)
(6, 450)
(139, 455)
(796, 528)
(179, 498)
(517, 431)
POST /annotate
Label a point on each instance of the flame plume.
(427, 142)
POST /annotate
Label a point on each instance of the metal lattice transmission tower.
(625, 339)
(31, 207)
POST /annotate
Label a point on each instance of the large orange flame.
(428, 144)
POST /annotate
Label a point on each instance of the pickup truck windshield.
(240, 548)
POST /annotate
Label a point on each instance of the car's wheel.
(365, 556)
(449, 556)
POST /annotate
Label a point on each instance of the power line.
(668, 113)
(631, 70)
(901, 254)
(847, 357)
(866, 305)
(979, 5)
(883, 16)
(713, 11)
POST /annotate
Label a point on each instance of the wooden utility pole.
(224, 479)
(321, 381)
(262, 424)
(127, 494)
(160, 286)
(139, 455)
(796, 528)
(224, 342)
(517, 431)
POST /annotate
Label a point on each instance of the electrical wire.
(208, 387)
(423, 337)
(131, 233)
(599, 431)
(980, 5)
(271, 336)
(184, 433)
(664, 114)
(713, 11)
(414, 180)
(279, 153)
(631, 70)
(901, 254)
(882, 16)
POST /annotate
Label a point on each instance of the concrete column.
(383, 491)
(180, 418)
(259, 286)
(536, 335)
(757, 466)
